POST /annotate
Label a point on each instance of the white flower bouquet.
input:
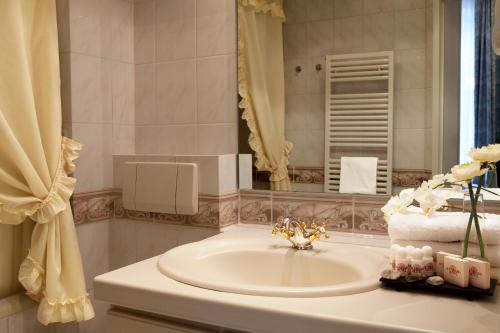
(433, 194)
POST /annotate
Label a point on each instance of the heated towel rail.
(358, 114)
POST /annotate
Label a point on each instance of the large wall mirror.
(381, 88)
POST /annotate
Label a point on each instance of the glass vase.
(467, 208)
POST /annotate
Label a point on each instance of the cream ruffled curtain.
(35, 160)
(262, 85)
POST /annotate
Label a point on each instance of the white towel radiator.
(358, 114)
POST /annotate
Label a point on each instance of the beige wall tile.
(308, 147)
(409, 27)
(315, 78)
(123, 93)
(296, 82)
(409, 4)
(409, 69)
(145, 94)
(378, 6)
(117, 34)
(176, 92)
(26, 322)
(409, 148)
(177, 139)
(146, 139)
(90, 89)
(317, 10)
(217, 91)
(122, 242)
(85, 27)
(190, 235)
(294, 41)
(378, 32)
(409, 109)
(123, 139)
(93, 240)
(175, 29)
(347, 8)
(215, 27)
(319, 38)
(348, 35)
(217, 139)
(298, 109)
(295, 11)
(428, 149)
(144, 31)
(154, 239)
(94, 169)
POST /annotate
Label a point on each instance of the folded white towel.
(358, 175)
(492, 251)
(443, 227)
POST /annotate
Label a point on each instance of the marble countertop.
(142, 287)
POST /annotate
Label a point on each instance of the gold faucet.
(295, 231)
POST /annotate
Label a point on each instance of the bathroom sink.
(270, 267)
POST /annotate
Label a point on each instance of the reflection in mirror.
(336, 96)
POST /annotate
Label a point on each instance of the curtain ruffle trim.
(265, 7)
(31, 276)
(62, 188)
(262, 163)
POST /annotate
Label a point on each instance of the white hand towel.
(358, 175)
(492, 251)
(443, 227)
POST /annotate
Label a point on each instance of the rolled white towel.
(492, 251)
(442, 227)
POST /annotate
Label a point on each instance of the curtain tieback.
(44, 211)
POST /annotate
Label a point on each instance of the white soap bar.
(456, 271)
(479, 273)
(440, 262)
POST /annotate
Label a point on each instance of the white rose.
(467, 171)
(431, 199)
(398, 204)
(484, 154)
(446, 181)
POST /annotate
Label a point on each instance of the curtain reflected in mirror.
(261, 87)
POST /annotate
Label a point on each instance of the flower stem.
(469, 225)
(476, 219)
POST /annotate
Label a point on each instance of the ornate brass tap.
(296, 231)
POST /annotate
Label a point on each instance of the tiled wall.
(97, 71)
(185, 56)
(193, 110)
(317, 28)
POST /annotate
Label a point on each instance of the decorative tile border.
(214, 211)
(94, 206)
(409, 178)
(316, 175)
(347, 213)
(307, 175)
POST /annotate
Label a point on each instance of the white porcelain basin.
(270, 267)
